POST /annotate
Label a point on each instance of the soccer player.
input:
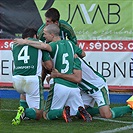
(52, 16)
(27, 77)
(65, 93)
(94, 89)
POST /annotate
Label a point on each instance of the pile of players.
(52, 52)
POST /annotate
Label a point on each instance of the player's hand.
(54, 73)
(75, 56)
(20, 41)
(54, 70)
(44, 115)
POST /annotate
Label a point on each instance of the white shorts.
(101, 97)
(32, 87)
(66, 96)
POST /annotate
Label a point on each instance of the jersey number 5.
(65, 61)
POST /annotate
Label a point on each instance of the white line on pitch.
(126, 122)
(117, 129)
(8, 110)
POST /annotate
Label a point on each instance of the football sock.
(23, 103)
(120, 111)
(53, 114)
(30, 113)
(93, 110)
(116, 111)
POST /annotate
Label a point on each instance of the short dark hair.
(53, 13)
(29, 32)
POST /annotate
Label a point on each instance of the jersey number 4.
(23, 54)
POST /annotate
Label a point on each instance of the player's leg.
(48, 102)
(76, 105)
(49, 114)
(33, 113)
(105, 111)
(22, 101)
(102, 99)
(34, 92)
(59, 94)
(34, 97)
(18, 85)
(120, 111)
(89, 102)
(55, 113)
(74, 101)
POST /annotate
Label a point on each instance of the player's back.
(66, 31)
(63, 58)
(90, 77)
(27, 60)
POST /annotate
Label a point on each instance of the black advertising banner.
(16, 15)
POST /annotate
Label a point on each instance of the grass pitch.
(8, 108)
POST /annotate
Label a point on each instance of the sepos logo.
(89, 45)
(102, 45)
(95, 10)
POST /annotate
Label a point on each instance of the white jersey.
(91, 79)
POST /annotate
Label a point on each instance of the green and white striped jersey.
(28, 60)
(91, 79)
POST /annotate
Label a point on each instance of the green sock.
(54, 114)
(93, 111)
(30, 113)
(23, 103)
(120, 111)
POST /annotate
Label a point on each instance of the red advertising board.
(113, 59)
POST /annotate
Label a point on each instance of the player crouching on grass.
(68, 111)
(66, 93)
(94, 89)
(27, 77)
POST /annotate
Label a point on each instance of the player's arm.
(44, 73)
(75, 77)
(47, 64)
(40, 33)
(46, 69)
(36, 44)
(83, 54)
(69, 30)
(79, 51)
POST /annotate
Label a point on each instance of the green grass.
(7, 113)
